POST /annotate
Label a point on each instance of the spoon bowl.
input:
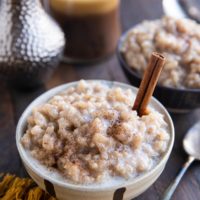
(191, 142)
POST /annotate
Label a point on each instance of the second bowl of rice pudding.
(178, 40)
(82, 140)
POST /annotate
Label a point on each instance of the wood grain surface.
(13, 103)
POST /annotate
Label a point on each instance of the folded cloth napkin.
(15, 188)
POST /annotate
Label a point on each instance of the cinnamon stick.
(148, 83)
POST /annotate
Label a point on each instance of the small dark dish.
(175, 100)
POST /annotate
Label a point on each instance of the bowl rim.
(49, 94)
(135, 74)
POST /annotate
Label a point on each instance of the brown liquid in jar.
(91, 27)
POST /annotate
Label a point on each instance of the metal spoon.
(191, 144)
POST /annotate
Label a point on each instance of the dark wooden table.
(12, 104)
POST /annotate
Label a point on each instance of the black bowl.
(175, 100)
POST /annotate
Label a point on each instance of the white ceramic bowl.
(67, 191)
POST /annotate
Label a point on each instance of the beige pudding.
(89, 134)
(177, 39)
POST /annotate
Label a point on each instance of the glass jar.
(92, 27)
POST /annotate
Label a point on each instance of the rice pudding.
(177, 39)
(89, 134)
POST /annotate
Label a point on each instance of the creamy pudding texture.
(91, 27)
(177, 39)
(89, 134)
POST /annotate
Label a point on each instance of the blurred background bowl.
(174, 99)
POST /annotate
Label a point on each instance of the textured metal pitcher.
(31, 43)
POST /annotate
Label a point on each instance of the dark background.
(12, 104)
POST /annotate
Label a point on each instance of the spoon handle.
(172, 187)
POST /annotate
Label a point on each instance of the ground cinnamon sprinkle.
(89, 134)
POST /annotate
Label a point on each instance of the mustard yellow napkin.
(15, 188)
